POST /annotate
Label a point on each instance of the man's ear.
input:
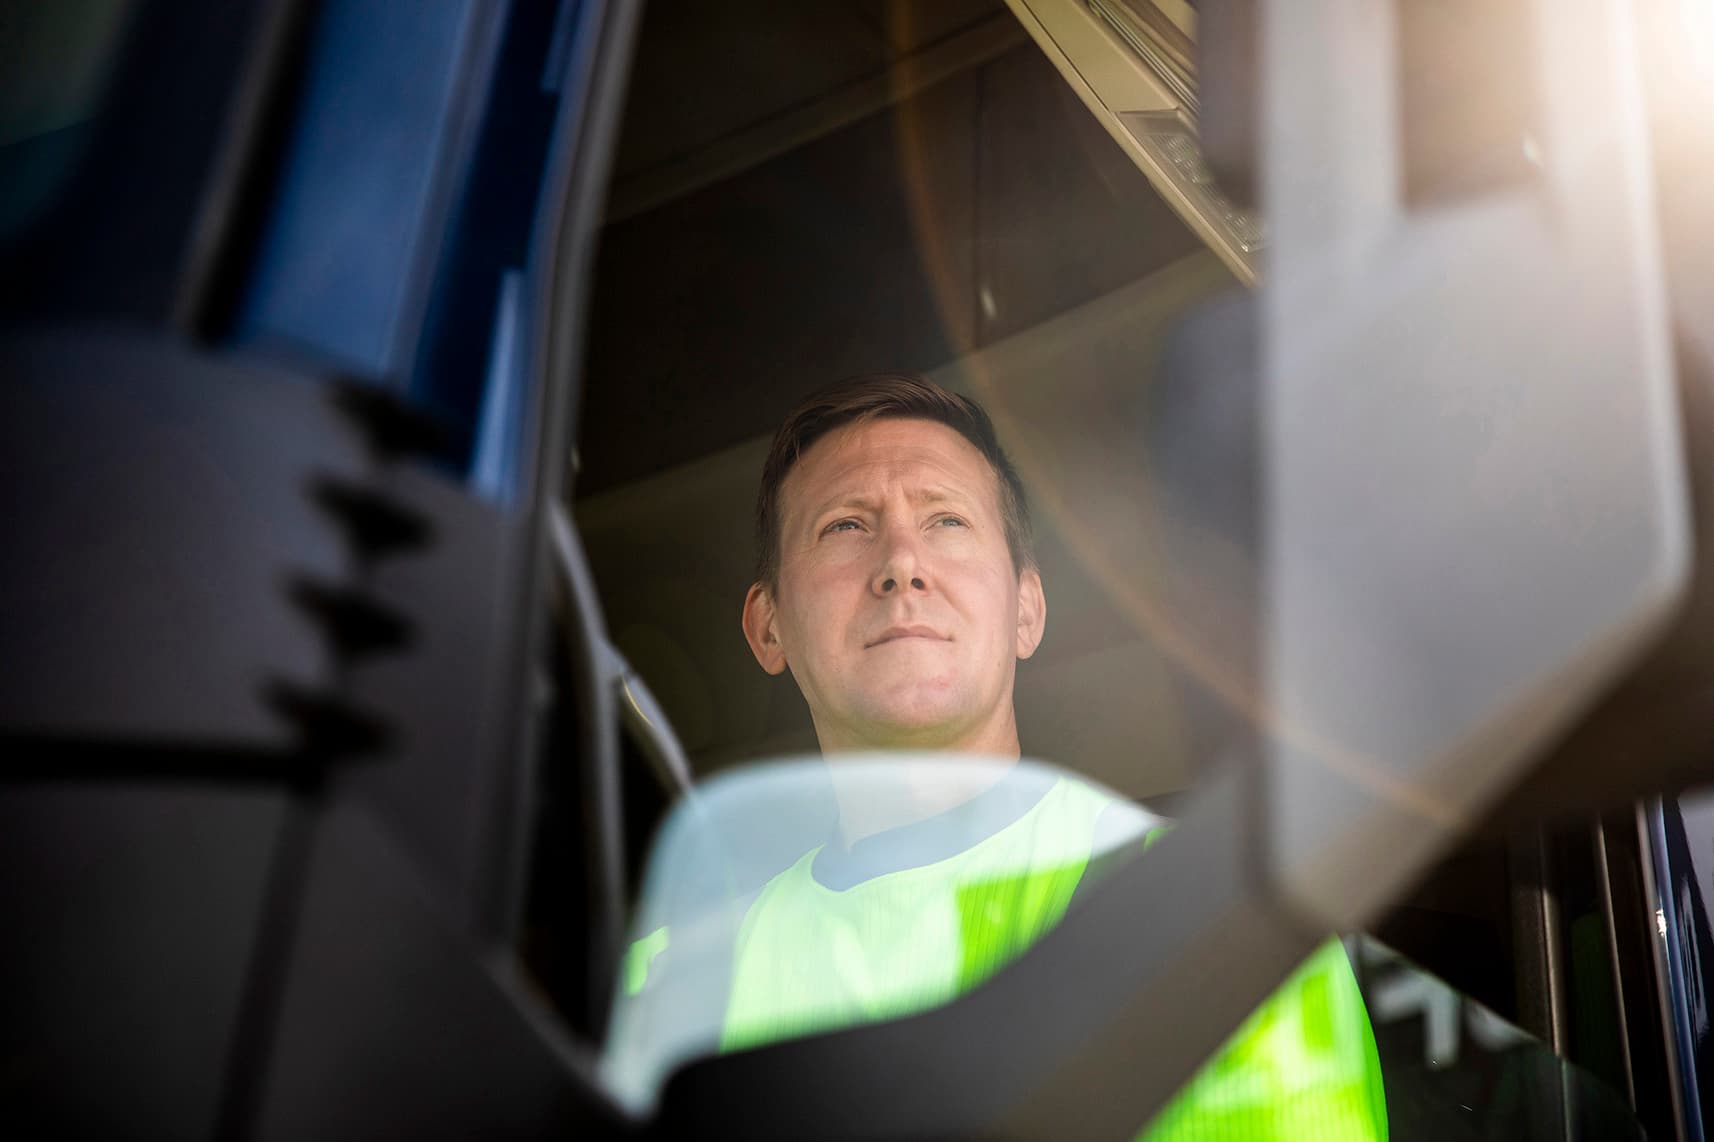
(1032, 612)
(759, 629)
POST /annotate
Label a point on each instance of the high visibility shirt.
(811, 957)
(829, 943)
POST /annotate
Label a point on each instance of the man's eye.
(841, 525)
(950, 521)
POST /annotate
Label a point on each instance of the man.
(896, 583)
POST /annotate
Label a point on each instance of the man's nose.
(902, 565)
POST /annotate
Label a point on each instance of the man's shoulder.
(1117, 820)
(783, 883)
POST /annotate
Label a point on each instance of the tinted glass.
(56, 59)
(1456, 1070)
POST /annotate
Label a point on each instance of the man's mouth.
(895, 634)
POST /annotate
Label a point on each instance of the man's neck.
(920, 789)
(925, 786)
(995, 736)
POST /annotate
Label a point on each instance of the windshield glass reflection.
(809, 896)
(805, 896)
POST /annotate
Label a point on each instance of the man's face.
(899, 612)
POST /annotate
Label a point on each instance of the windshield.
(1317, 574)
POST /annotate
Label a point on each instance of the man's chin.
(922, 725)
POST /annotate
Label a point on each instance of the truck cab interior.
(387, 391)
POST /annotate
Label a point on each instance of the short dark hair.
(883, 396)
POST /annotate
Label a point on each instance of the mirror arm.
(598, 740)
(648, 726)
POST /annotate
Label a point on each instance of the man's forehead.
(934, 460)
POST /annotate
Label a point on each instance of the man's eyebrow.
(861, 502)
(938, 495)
